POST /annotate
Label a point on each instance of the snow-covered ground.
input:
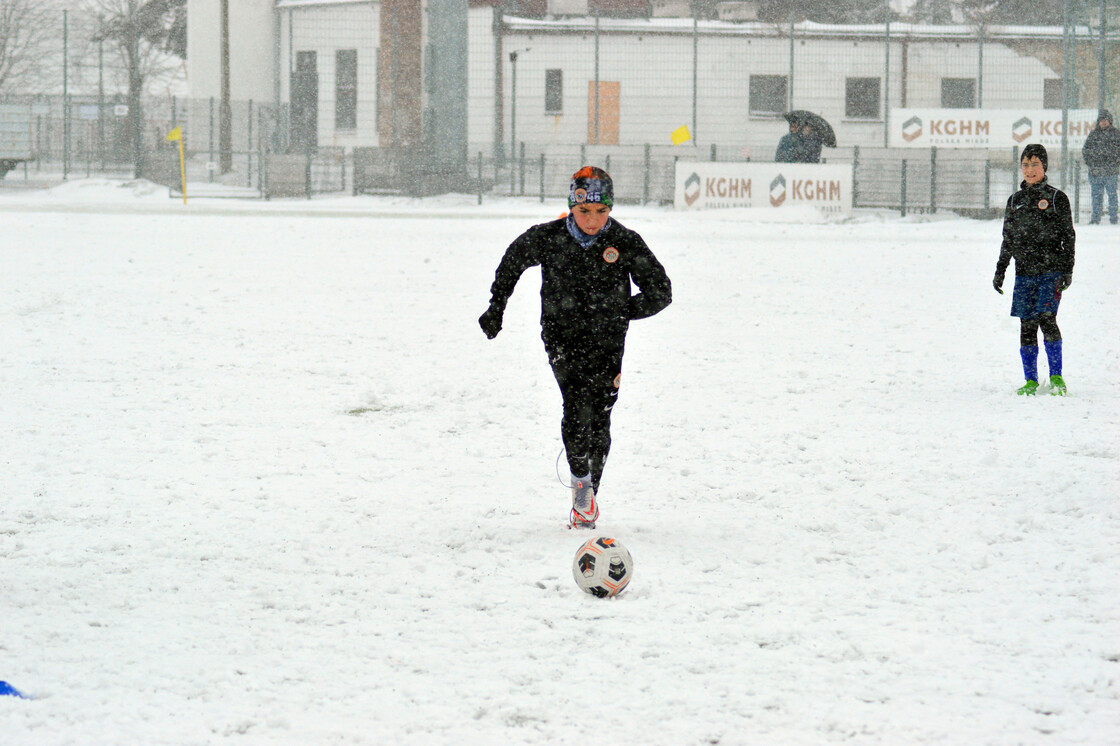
(264, 481)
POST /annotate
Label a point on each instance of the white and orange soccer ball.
(602, 567)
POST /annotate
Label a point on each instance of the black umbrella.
(819, 124)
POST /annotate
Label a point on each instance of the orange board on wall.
(606, 133)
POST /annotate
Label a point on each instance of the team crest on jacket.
(1043, 204)
(610, 256)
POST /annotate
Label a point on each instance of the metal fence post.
(542, 176)
(1076, 191)
(903, 190)
(261, 152)
(855, 177)
(645, 180)
(712, 156)
(209, 170)
(306, 171)
(521, 168)
(479, 183)
(1014, 168)
(988, 183)
(933, 179)
(249, 151)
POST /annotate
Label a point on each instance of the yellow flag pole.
(177, 135)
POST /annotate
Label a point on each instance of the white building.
(534, 80)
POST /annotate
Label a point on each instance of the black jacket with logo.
(1037, 231)
(585, 292)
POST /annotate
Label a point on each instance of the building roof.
(280, 4)
(804, 28)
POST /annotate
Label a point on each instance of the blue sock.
(1054, 356)
(1030, 362)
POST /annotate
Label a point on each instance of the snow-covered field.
(264, 481)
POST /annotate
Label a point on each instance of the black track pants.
(589, 374)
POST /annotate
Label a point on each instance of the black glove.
(997, 282)
(491, 321)
(1065, 281)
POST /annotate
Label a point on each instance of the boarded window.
(346, 89)
(861, 99)
(958, 93)
(553, 91)
(768, 94)
(1052, 93)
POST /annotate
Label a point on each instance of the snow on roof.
(759, 28)
(304, 3)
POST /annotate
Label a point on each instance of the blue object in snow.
(7, 690)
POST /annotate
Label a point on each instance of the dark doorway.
(305, 102)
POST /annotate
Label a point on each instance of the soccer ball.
(602, 567)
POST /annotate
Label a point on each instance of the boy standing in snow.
(1038, 233)
(587, 261)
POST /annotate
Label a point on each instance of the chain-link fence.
(548, 95)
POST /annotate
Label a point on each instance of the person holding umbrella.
(789, 147)
(810, 150)
(808, 132)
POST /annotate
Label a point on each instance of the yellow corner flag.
(681, 134)
(176, 135)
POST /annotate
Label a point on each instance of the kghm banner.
(988, 128)
(704, 185)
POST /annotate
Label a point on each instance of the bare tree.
(27, 30)
(140, 32)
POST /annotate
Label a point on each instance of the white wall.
(251, 49)
(325, 29)
(480, 104)
(652, 60)
(655, 71)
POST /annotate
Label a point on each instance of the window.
(553, 91)
(1052, 93)
(861, 100)
(346, 89)
(958, 93)
(768, 94)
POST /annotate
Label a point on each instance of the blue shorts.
(1036, 295)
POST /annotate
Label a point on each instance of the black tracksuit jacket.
(585, 292)
(1037, 232)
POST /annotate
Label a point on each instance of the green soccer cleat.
(1028, 389)
(1057, 386)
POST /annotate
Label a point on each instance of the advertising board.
(987, 128)
(701, 186)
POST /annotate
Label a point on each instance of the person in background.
(588, 261)
(789, 147)
(1101, 152)
(810, 145)
(1038, 233)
